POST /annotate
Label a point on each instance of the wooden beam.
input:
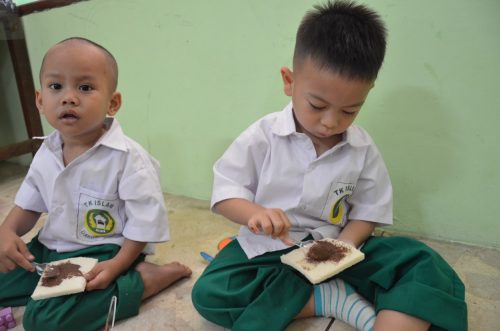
(25, 85)
(10, 18)
(40, 5)
(24, 77)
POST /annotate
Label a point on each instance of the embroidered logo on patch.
(99, 222)
(338, 210)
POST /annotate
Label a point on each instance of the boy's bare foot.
(158, 277)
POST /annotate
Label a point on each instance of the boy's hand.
(13, 252)
(270, 221)
(106, 272)
(102, 275)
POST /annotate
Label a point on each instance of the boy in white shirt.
(101, 191)
(308, 172)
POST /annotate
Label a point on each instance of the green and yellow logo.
(338, 210)
(99, 222)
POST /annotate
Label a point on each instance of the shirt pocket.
(337, 207)
(98, 215)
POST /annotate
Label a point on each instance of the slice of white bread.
(65, 283)
(327, 258)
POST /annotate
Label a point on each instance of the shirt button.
(58, 210)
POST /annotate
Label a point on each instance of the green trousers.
(81, 311)
(398, 273)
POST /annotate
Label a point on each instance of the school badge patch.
(99, 222)
(336, 209)
(98, 216)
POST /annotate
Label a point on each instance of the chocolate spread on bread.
(323, 251)
(66, 270)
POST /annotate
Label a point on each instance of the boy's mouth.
(323, 134)
(69, 116)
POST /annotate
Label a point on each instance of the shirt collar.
(356, 137)
(285, 126)
(285, 123)
(113, 137)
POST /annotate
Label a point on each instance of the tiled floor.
(194, 228)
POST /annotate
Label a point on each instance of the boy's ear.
(114, 103)
(287, 76)
(38, 100)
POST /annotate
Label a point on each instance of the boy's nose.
(329, 119)
(70, 98)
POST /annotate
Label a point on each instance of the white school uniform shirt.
(273, 165)
(109, 193)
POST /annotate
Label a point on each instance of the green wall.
(194, 74)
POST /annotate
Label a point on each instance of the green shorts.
(398, 273)
(81, 311)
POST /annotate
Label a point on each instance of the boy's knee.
(200, 294)
(44, 315)
(418, 246)
(36, 318)
(207, 297)
(210, 305)
(408, 244)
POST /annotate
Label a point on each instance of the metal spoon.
(300, 243)
(50, 271)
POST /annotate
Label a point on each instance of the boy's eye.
(86, 88)
(315, 107)
(349, 113)
(55, 86)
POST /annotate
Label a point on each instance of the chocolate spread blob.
(66, 270)
(322, 251)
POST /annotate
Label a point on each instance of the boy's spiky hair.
(344, 37)
(111, 58)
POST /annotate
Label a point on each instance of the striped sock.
(338, 299)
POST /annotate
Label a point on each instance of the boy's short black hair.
(344, 37)
(111, 59)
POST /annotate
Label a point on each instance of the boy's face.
(76, 91)
(324, 103)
